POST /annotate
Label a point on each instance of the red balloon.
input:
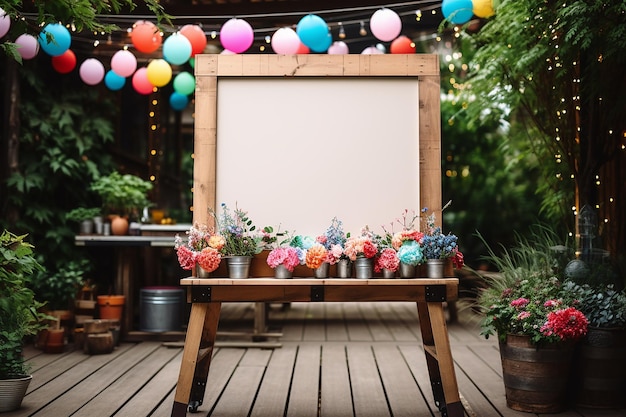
(402, 45)
(146, 36)
(65, 62)
(141, 84)
(303, 49)
(196, 37)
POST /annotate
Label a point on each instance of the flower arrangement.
(387, 259)
(316, 255)
(334, 240)
(536, 307)
(361, 246)
(526, 297)
(283, 255)
(437, 245)
(238, 231)
(410, 253)
(202, 247)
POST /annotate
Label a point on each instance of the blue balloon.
(323, 46)
(313, 32)
(458, 11)
(60, 42)
(177, 49)
(113, 81)
(178, 101)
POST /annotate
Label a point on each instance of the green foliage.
(603, 305)
(121, 193)
(58, 288)
(80, 214)
(19, 315)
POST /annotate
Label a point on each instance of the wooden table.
(207, 296)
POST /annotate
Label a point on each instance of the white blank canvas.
(297, 152)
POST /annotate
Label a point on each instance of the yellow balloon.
(159, 72)
(483, 8)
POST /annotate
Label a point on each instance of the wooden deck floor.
(335, 360)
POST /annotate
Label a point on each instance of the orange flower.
(315, 256)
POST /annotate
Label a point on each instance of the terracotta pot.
(111, 306)
(55, 341)
(119, 226)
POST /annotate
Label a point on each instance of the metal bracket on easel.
(317, 293)
(200, 294)
(435, 293)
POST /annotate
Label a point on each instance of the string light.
(342, 32)
(362, 31)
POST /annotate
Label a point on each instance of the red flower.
(567, 323)
(209, 259)
(186, 257)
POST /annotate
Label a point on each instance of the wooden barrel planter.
(599, 380)
(535, 378)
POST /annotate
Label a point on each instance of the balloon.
(227, 52)
(371, 50)
(114, 81)
(124, 63)
(303, 49)
(27, 46)
(402, 45)
(159, 72)
(178, 101)
(146, 36)
(176, 49)
(457, 11)
(236, 35)
(65, 62)
(483, 8)
(5, 23)
(313, 32)
(141, 84)
(60, 42)
(338, 48)
(196, 37)
(323, 46)
(285, 41)
(192, 62)
(385, 24)
(91, 71)
(184, 83)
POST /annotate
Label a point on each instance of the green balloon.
(184, 83)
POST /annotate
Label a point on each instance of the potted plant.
(19, 316)
(122, 195)
(536, 321)
(600, 359)
(283, 259)
(438, 246)
(200, 251)
(84, 217)
(361, 250)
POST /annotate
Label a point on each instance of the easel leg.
(439, 358)
(194, 368)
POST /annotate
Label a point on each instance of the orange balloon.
(303, 49)
(402, 45)
(146, 36)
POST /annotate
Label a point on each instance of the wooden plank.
(107, 401)
(303, 399)
(367, 388)
(336, 398)
(399, 330)
(293, 325)
(405, 397)
(378, 329)
(315, 329)
(49, 366)
(95, 382)
(335, 322)
(358, 329)
(274, 390)
(240, 392)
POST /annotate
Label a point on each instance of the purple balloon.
(236, 35)
(338, 48)
(91, 71)
(5, 23)
(28, 46)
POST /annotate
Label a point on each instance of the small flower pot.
(281, 272)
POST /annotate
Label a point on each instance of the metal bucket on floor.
(161, 309)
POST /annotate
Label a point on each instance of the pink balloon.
(28, 46)
(338, 48)
(371, 50)
(5, 23)
(141, 84)
(236, 35)
(123, 63)
(91, 71)
(285, 41)
(385, 24)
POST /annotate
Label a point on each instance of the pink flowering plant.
(283, 255)
(387, 259)
(361, 246)
(201, 247)
(526, 296)
(334, 240)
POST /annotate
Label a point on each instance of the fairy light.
(362, 30)
(342, 32)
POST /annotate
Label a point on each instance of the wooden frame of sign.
(421, 70)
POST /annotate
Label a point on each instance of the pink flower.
(399, 238)
(360, 246)
(458, 260)
(520, 303)
(186, 257)
(523, 315)
(388, 259)
(283, 255)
